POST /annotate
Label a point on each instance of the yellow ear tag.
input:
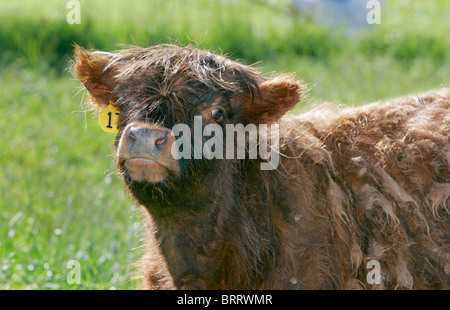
(108, 118)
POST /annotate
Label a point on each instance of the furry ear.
(271, 99)
(96, 72)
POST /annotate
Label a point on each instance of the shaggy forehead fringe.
(173, 66)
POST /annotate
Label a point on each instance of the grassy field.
(60, 199)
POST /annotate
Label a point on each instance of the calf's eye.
(217, 115)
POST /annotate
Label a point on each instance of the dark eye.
(217, 115)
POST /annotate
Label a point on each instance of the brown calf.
(358, 199)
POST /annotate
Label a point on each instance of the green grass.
(60, 199)
(57, 202)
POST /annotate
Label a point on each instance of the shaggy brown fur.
(353, 184)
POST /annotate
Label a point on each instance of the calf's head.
(161, 88)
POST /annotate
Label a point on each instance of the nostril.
(159, 142)
(131, 134)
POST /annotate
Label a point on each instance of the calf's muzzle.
(144, 152)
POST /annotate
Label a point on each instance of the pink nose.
(144, 142)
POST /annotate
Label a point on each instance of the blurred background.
(60, 196)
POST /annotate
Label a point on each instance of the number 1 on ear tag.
(108, 118)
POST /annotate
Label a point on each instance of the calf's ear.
(96, 72)
(271, 99)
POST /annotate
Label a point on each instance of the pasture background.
(60, 199)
